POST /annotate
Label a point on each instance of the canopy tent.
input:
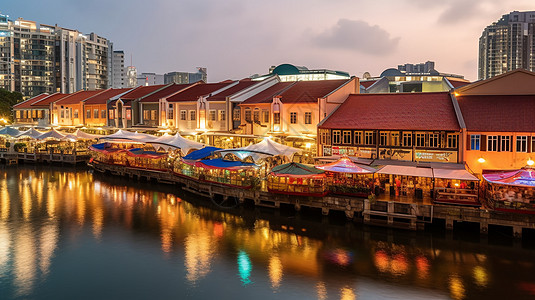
(177, 141)
(83, 135)
(32, 133)
(164, 138)
(295, 169)
(104, 148)
(138, 152)
(52, 134)
(223, 164)
(406, 171)
(345, 165)
(267, 147)
(201, 153)
(71, 137)
(131, 136)
(8, 130)
(522, 177)
(458, 174)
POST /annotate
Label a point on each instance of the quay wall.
(411, 216)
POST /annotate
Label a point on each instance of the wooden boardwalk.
(73, 158)
(412, 216)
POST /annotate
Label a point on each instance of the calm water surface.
(69, 234)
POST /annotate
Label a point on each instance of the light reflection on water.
(113, 233)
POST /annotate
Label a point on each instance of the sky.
(235, 39)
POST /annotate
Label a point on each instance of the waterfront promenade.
(408, 215)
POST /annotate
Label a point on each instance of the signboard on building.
(435, 156)
(327, 150)
(395, 154)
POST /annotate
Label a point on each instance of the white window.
(236, 114)
(308, 119)
(346, 136)
(336, 136)
(522, 143)
(293, 118)
(452, 140)
(475, 142)
(492, 143)
(248, 115)
(222, 116)
(368, 138)
(505, 144)
(192, 115)
(358, 137)
(433, 140)
(265, 116)
(407, 139)
(212, 115)
(394, 139)
(256, 115)
(183, 115)
(420, 139)
(383, 138)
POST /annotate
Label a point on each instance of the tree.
(7, 100)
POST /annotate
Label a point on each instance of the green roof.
(296, 169)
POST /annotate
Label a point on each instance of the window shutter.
(468, 142)
(529, 144)
(511, 143)
(499, 143)
(483, 143)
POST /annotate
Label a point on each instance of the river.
(68, 234)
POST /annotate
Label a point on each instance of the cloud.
(459, 11)
(357, 36)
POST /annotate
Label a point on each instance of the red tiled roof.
(45, 102)
(141, 91)
(193, 93)
(243, 84)
(396, 111)
(310, 91)
(266, 96)
(29, 102)
(165, 92)
(458, 83)
(78, 97)
(368, 83)
(103, 97)
(498, 113)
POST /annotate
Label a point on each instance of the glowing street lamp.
(481, 160)
(530, 162)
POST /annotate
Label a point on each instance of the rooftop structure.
(288, 72)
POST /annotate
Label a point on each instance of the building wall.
(188, 124)
(330, 103)
(35, 117)
(101, 118)
(515, 158)
(118, 70)
(150, 114)
(68, 114)
(215, 122)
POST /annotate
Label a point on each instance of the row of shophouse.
(487, 124)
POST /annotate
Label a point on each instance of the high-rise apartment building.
(421, 68)
(507, 44)
(131, 77)
(185, 77)
(37, 58)
(27, 56)
(118, 78)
